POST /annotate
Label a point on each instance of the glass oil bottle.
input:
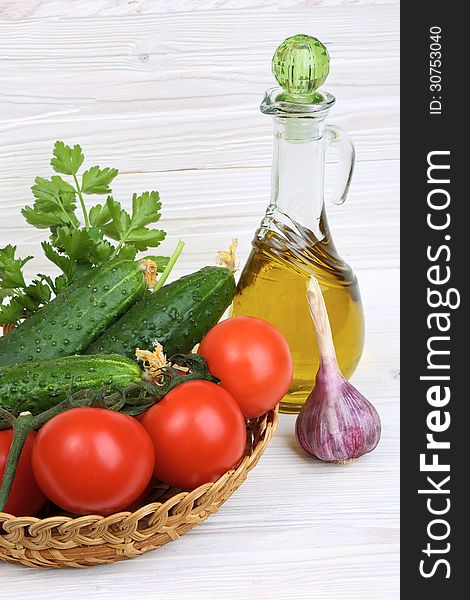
(294, 240)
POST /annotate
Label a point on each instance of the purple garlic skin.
(337, 424)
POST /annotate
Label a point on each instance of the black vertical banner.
(435, 332)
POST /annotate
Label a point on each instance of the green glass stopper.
(300, 65)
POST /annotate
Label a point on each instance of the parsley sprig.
(77, 242)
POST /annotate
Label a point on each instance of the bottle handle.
(347, 157)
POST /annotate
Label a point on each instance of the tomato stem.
(21, 430)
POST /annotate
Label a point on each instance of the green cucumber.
(77, 316)
(38, 385)
(178, 315)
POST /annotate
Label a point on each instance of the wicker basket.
(63, 541)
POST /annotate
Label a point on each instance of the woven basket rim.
(89, 540)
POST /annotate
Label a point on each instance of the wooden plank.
(89, 8)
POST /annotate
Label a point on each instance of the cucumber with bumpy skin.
(38, 385)
(77, 316)
(178, 315)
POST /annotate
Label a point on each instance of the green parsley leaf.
(60, 283)
(47, 279)
(39, 291)
(121, 221)
(78, 250)
(29, 304)
(145, 208)
(75, 242)
(12, 286)
(63, 262)
(54, 190)
(35, 295)
(43, 220)
(11, 313)
(99, 215)
(10, 268)
(100, 249)
(143, 237)
(127, 252)
(6, 293)
(96, 180)
(124, 228)
(67, 160)
(54, 205)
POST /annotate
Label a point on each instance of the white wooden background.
(168, 92)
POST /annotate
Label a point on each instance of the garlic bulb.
(336, 424)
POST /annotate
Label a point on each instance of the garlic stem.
(321, 322)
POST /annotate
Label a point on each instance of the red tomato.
(198, 433)
(140, 417)
(26, 498)
(252, 360)
(93, 460)
(143, 498)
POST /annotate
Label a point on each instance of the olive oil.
(272, 286)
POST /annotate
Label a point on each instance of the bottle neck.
(298, 171)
